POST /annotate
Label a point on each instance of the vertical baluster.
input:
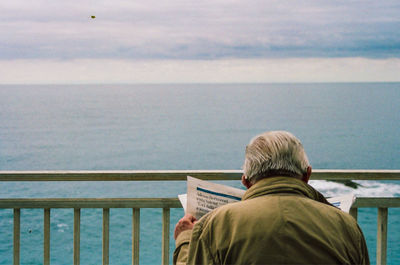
(354, 213)
(46, 237)
(135, 235)
(381, 239)
(77, 235)
(106, 235)
(165, 236)
(17, 218)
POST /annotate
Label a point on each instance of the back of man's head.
(275, 153)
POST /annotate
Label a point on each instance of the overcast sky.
(53, 41)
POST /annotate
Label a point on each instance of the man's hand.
(186, 223)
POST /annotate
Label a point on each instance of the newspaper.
(204, 196)
(343, 202)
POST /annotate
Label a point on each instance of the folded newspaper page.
(344, 202)
(204, 196)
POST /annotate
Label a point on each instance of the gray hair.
(275, 153)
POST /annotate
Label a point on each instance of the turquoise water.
(103, 127)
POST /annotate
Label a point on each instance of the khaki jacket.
(280, 220)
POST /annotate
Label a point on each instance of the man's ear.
(306, 176)
(246, 182)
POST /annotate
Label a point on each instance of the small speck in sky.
(93, 17)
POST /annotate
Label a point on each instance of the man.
(280, 220)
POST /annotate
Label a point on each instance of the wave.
(61, 227)
(365, 188)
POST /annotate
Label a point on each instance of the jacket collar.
(286, 185)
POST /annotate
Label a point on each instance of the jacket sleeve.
(199, 248)
(192, 247)
(182, 248)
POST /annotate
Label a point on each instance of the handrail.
(176, 175)
(91, 203)
(164, 203)
(382, 203)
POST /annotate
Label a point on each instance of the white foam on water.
(61, 227)
(377, 189)
(366, 189)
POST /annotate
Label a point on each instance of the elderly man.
(280, 220)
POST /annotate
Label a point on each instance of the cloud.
(198, 30)
(199, 71)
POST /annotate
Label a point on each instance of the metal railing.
(164, 203)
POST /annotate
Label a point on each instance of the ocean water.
(144, 127)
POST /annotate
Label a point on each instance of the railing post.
(106, 235)
(77, 236)
(135, 235)
(381, 239)
(165, 236)
(354, 213)
(17, 233)
(46, 237)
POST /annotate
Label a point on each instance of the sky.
(208, 41)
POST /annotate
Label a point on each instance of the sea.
(181, 126)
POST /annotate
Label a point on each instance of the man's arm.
(192, 247)
(182, 248)
(200, 246)
(182, 234)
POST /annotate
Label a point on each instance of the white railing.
(164, 203)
